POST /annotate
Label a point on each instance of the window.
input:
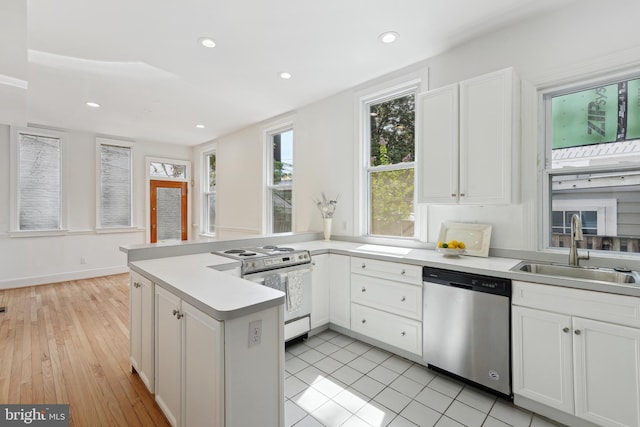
(389, 169)
(166, 170)
(39, 182)
(209, 198)
(115, 186)
(280, 181)
(593, 165)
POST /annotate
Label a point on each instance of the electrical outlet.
(255, 332)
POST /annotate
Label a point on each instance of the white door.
(607, 373)
(437, 130)
(203, 369)
(320, 290)
(339, 292)
(168, 352)
(542, 357)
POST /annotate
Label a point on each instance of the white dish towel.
(294, 290)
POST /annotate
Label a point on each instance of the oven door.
(297, 279)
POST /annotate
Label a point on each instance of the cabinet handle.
(453, 194)
(175, 312)
(179, 315)
(136, 284)
(565, 330)
(364, 289)
(403, 333)
(364, 266)
(461, 194)
(313, 263)
(403, 299)
(577, 332)
(403, 272)
(364, 321)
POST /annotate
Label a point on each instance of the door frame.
(154, 184)
(188, 179)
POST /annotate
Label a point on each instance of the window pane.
(167, 170)
(169, 214)
(392, 207)
(211, 213)
(40, 183)
(211, 171)
(607, 204)
(283, 157)
(281, 213)
(392, 127)
(115, 186)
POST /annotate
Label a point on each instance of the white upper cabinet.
(469, 141)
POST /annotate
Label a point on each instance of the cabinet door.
(146, 369)
(438, 145)
(135, 320)
(542, 357)
(168, 351)
(339, 294)
(488, 139)
(202, 368)
(607, 373)
(320, 291)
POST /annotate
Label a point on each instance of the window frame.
(14, 178)
(405, 86)
(206, 193)
(268, 134)
(114, 143)
(546, 172)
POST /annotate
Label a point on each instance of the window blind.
(115, 186)
(39, 183)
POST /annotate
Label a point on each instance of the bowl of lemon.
(452, 248)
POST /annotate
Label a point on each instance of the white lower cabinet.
(386, 302)
(339, 300)
(141, 328)
(189, 355)
(320, 290)
(578, 361)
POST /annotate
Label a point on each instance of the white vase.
(327, 228)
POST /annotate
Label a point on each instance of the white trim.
(280, 125)
(204, 193)
(147, 191)
(618, 66)
(14, 180)
(62, 277)
(415, 82)
(100, 141)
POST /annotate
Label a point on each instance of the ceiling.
(142, 62)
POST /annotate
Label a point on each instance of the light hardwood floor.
(69, 343)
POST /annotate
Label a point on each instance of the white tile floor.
(334, 380)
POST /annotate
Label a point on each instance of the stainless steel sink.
(584, 273)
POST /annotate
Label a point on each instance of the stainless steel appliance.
(285, 269)
(467, 327)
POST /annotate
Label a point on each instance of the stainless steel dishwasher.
(467, 327)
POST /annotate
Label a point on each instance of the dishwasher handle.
(461, 285)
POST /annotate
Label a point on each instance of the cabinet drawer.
(391, 329)
(395, 297)
(387, 270)
(620, 309)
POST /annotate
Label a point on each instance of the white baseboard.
(62, 277)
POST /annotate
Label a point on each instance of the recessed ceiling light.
(93, 104)
(285, 75)
(207, 42)
(200, 126)
(388, 37)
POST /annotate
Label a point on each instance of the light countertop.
(223, 296)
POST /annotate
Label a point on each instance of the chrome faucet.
(576, 234)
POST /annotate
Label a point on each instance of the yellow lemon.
(461, 245)
(439, 244)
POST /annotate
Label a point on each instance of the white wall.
(559, 44)
(35, 260)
